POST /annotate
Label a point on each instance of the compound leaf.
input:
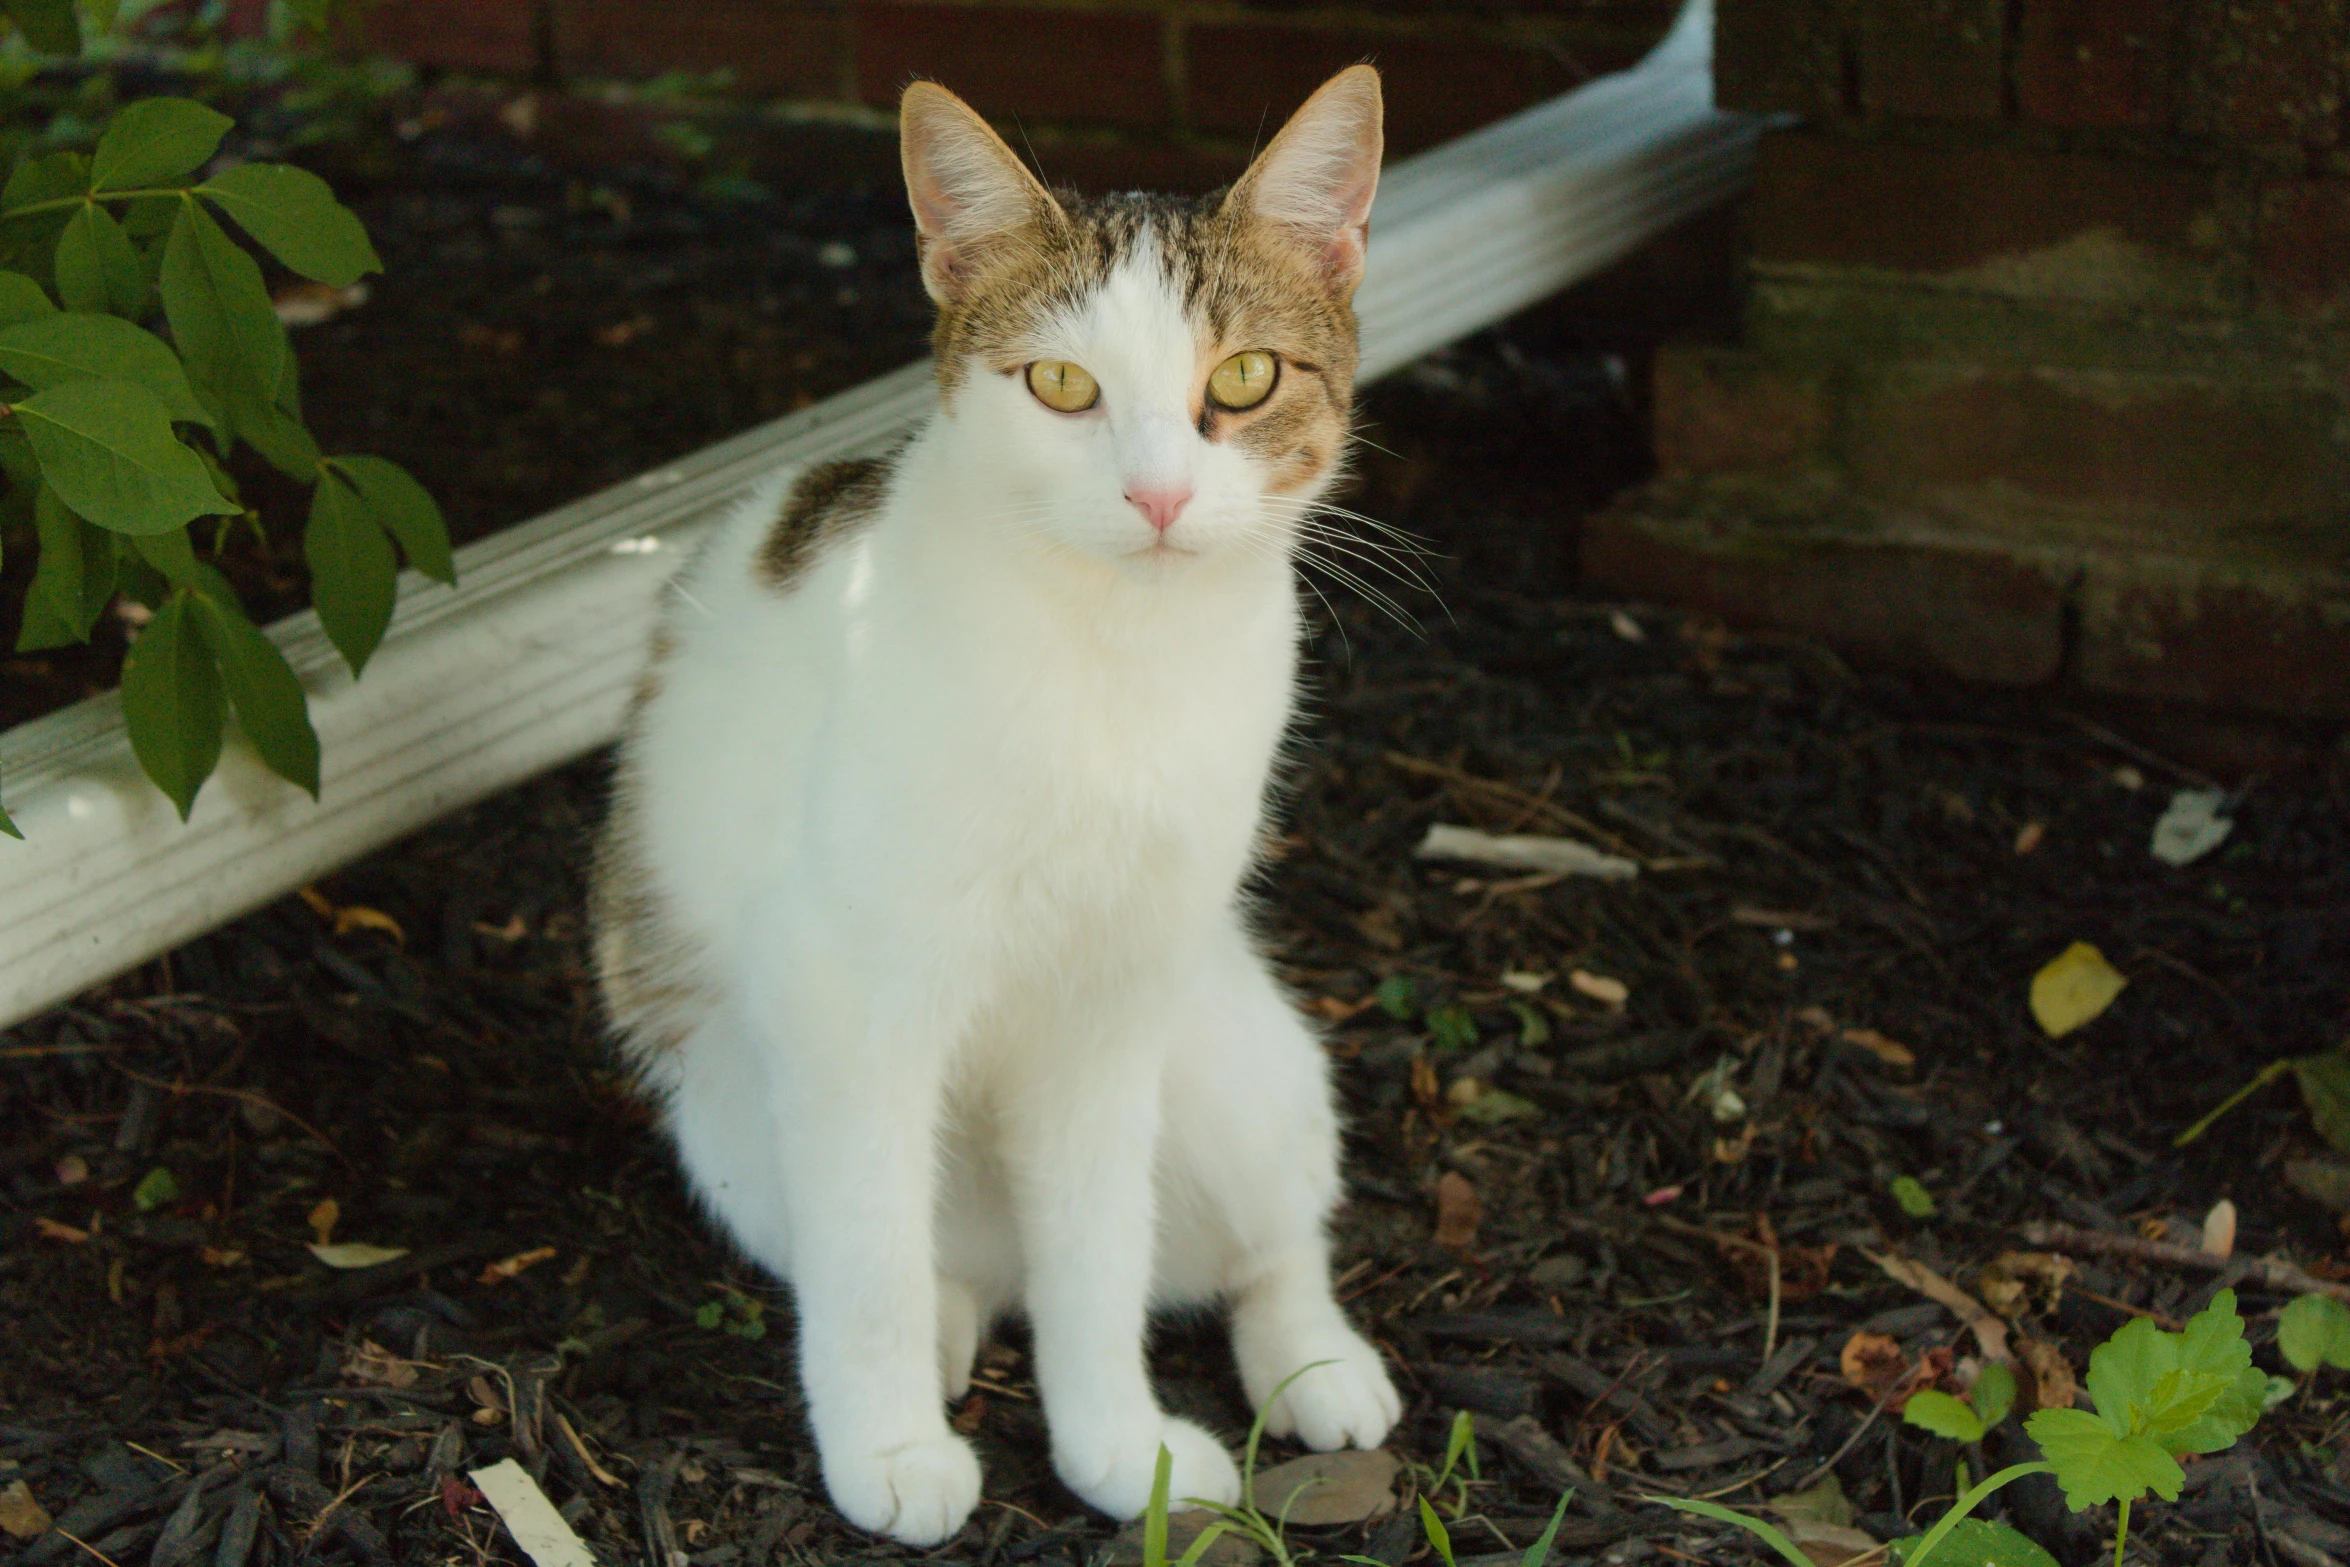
(21, 299)
(172, 703)
(73, 582)
(106, 447)
(295, 216)
(97, 270)
(220, 316)
(353, 575)
(156, 140)
(2095, 1463)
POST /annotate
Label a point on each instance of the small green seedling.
(744, 1316)
(2314, 1331)
(2159, 1396)
(1911, 1194)
(1965, 1420)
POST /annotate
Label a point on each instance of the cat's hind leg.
(1248, 1175)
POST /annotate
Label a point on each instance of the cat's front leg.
(1078, 1139)
(856, 1108)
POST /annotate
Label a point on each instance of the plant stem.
(2121, 1532)
(58, 203)
(2266, 1075)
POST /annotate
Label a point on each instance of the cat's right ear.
(968, 190)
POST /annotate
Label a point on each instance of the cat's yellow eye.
(1061, 385)
(1243, 380)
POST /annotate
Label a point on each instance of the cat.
(921, 902)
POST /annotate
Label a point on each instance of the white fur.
(960, 822)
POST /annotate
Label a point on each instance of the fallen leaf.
(2028, 837)
(513, 930)
(1662, 1196)
(2219, 1230)
(540, 1530)
(2054, 1385)
(1321, 1489)
(1831, 1545)
(1494, 1105)
(1228, 1549)
(60, 1232)
(220, 1257)
(357, 1254)
(357, 917)
(1600, 988)
(20, 1515)
(369, 1364)
(1878, 1045)
(72, 1170)
(1872, 1362)
(2073, 989)
(2016, 1282)
(1818, 1018)
(2191, 827)
(1524, 982)
(1822, 1503)
(506, 1267)
(1625, 626)
(322, 1219)
(1989, 1331)
(1458, 1212)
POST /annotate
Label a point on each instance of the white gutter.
(527, 664)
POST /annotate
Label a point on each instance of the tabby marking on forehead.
(828, 503)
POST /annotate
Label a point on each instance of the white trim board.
(528, 662)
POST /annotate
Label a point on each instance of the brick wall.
(2045, 368)
(1201, 76)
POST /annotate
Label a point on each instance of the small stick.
(2276, 1275)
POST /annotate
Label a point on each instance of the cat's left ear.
(968, 190)
(1316, 181)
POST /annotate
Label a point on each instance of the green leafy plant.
(1971, 1418)
(2159, 1396)
(733, 1312)
(112, 438)
(2314, 1331)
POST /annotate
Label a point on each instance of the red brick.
(1933, 59)
(1723, 410)
(1245, 77)
(2096, 62)
(2269, 72)
(2211, 453)
(456, 35)
(1975, 613)
(1784, 57)
(2260, 642)
(768, 48)
(2301, 260)
(1098, 67)
(1841, 201)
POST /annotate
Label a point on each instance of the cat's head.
(1147, 378)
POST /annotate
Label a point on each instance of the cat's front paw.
(1116, 1477)
(918, 1494)
(1344, 1400)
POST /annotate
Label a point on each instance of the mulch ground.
(1591, 1120)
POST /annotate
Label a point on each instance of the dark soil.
(1837, 919)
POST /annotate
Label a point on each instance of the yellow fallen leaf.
(2074, 989)
(358, 917)
(20, 1514)
(57, 1231)
(357, 1254)
(322, 1219)
(506, 1267)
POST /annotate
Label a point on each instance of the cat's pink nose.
(1160, 507)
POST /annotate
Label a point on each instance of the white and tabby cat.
(920, 905)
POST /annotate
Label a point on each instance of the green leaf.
(1438, 1536)
(1770, 1534)
(61, 348)
(1154, 1513)
(2325, 1088)
(2313, 1331)
(172, 703)
(2096, 1463)
(233, 343)
(48, 25)
(154, 141)
(171, 553)
(9, 827)
(156, 1189)
(1533, 1027)
(21, 299)
(1944, 1416)
(352, 572)
(406, 511)
(1913, 1197)
(1452, 1028)
(107, 448)
(74, 581)
(1539, 1552)
(1993, 1394)
(710, 1315)
(97, 270)
(315, 15)
(1460, 1440)
(45, 179)
(1394, 996)
(2124, 1369)
(1977, 1542)
(295, 216)
(279, 437)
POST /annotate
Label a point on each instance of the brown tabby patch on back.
(828, 503)
(1245, 284)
